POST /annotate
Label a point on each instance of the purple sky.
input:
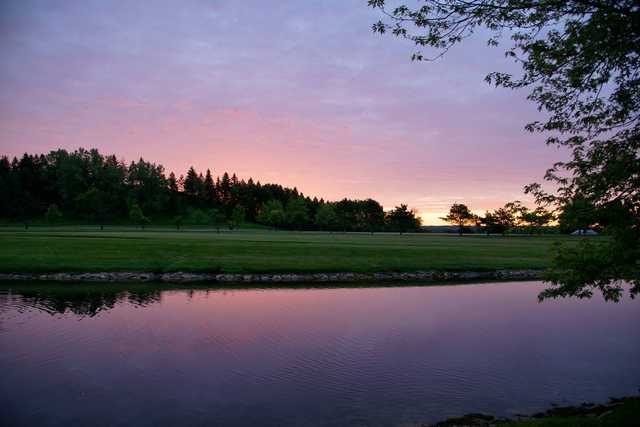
(296, 92)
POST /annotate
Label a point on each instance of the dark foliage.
(580, 61)
(87, 186)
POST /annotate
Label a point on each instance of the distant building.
(584, 232)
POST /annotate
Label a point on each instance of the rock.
(469, 420)
(186, 277)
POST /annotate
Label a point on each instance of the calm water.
(99, 355)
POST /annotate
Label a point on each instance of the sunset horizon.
(320, 213)
(322, 104)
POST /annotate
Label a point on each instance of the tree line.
(576, 214)
(85, 185)
(580, 61)
(502, 220)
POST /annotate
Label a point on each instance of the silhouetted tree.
(370, 215)
(296, 214)
(93, 205)
(209, 190)
(580, 60)
(460, 215)
(192, 186)
(492, 223)
(147, 186)
(272, 214)
(402, 219)
(174, 194)
(502, 219)
(577, 214)
(536, 219)
(326, 218)
(224, 192)
(86, 185)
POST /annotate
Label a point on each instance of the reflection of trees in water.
(82, 302)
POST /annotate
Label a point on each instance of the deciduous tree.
(137, 217)
(238, 216)
(216, 218)
(296, 213)
(536, 219)
(460, 215)
(272, 214)
(326, 218)
(94, 206)
(403, 219)
(53, 215)
(580, 61)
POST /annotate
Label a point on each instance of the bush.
(53, 215)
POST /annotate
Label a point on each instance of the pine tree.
(191, 183)
(174, 194)
(224, 189)
(209, 190)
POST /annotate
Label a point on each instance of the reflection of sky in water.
(319, 356)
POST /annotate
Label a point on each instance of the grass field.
(626, 414)
(252, 251)
(623, 413)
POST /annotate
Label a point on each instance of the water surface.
(105, 355)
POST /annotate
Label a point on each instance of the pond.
(155, 355)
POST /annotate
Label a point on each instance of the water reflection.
(79, 299)
(117, 355)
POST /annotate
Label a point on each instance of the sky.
(300, 93)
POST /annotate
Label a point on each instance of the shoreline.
(195, 277)
(572, 415)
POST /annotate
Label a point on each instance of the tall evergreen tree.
(191, 183)
(209, 191)
(174, 194)
(89, 186)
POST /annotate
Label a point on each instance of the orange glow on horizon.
(327, 108)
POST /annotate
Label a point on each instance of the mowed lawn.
(262, 251)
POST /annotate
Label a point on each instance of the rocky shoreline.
(191, 277)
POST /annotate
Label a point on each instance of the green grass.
(252, 251)
(623, 412)
(627, 414)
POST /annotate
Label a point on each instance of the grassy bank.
(623, 412)
(626, 414)
(256, 251)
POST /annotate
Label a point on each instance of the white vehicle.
(584, 232)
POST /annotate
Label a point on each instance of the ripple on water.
(370, 356)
